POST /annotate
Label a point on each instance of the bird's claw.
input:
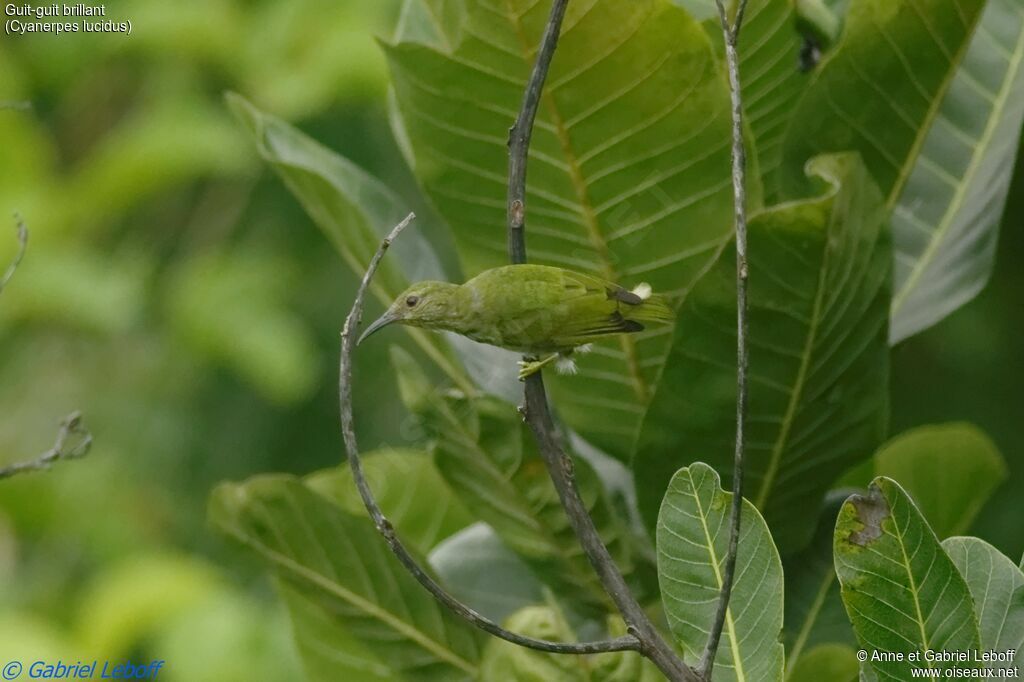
(528, 367)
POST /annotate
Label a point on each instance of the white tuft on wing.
(643, 290)
(584, 349)
(565, 365)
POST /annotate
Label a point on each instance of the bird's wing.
(594, 308)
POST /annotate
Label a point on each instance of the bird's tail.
(655, 309)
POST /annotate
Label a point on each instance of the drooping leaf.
(339, 562)
(485, 452)
(629, 168)
(815, 617)
(408, 489)
(484, 574)
(900, 588)
(692, 541)
(354, 210)
(946, 221)
(818, 356)
(881, 88)
(997, 587)
(950, 471)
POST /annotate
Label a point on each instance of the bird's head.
(424, 304)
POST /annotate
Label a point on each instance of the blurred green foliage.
(178, 295)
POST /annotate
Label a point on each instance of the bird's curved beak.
(382, 321)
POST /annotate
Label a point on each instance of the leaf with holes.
(692, 541)
(339, 563)
(900, 588)
(629, 172)
(487, 455)
(998, 590)
(946, 221)
(819, 360)
(950, 470)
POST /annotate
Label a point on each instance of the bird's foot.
(528, 367)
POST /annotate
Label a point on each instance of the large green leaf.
(901, 590)
(950, 470)
(423, 519)
(489, 458)
(354, 210)
(692, 539)
(936, 118)
(946, 220)
(814, 609)
(339, 562)
(819, 272)
(997, 587)
(629, 175)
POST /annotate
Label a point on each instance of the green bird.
(544, 312)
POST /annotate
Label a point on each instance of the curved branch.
(535, 405)
(731, 34)
(625, 643)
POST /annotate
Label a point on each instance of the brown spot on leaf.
(871, 510)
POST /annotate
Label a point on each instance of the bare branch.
(731, 35)
(625, 643)
(535, 409)
(22, 246)
(73, 442)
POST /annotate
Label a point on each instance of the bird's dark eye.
(412, 301)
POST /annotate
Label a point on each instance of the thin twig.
(625, 643)
(73, 432)
(731, 34)
(535, 408)
(22, 246)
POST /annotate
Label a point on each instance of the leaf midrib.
(729, 623)
(912, 583)
(799, 383)
(957, 201)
